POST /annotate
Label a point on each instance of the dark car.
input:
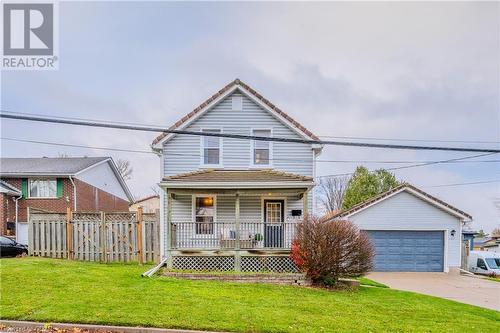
(10, 248)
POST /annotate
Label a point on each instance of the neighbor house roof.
(403, 187)
(57, 167)
(147, 198)
(8, 189)
(225, 90)
(238, 179)
(46, 166)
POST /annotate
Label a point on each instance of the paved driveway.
(460, 288)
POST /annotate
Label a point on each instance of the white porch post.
(237, 257)
(305, 202)
(169, 230)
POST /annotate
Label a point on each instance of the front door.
(274, 216)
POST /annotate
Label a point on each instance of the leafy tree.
(365, 184)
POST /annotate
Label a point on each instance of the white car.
(484, 262)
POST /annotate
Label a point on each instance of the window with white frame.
(261, 149)
(204, 215)
(211, 147)
(43, 188)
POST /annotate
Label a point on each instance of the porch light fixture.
(453, 232)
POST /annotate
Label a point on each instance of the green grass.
(495, 278)
(367, 282)
(64, 291)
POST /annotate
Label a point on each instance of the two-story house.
(233, 203)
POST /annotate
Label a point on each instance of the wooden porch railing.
(231, 235)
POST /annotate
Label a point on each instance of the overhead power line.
(460, 160)
(321, 136)
(411, 166)
(406, 139)
(101, 124)
(463, 184)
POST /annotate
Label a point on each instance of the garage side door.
(408, 251)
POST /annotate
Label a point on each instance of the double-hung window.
(43, 188)
(211, 148)
(204, 215)
(261, 149)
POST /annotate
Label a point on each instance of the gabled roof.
(398, 189)
(154, 196)
(247, 90)
(211, 178)
(57, 167)
(9, 189)
(47, 166)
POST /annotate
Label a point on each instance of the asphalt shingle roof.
(246, 176)
(45, 165)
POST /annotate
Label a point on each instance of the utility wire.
(410, 166)
(400, 139)
(462, 184)
(238, 136)
(321, 136)
(244, 158)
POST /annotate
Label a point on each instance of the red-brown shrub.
(327, 251)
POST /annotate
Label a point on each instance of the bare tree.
(155, 189)
(495, 232)
(331, 192)
(124, 169)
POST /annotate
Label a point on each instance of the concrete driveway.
(460, 288)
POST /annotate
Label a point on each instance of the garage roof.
(403, 187)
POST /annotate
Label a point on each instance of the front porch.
(248, 228)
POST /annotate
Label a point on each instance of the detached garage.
(411, 230)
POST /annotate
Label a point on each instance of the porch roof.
(211, 178)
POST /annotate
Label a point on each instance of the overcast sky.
(384, 70)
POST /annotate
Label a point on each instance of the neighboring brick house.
(54, 184)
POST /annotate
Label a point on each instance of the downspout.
(74, 193)
(17, 214)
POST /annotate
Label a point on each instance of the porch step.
(281, 279)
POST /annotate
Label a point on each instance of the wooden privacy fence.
(96, 236)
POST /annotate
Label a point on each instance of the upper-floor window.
(43, 188)
(211, 148)
(261, 149)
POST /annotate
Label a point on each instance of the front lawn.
(65, 291)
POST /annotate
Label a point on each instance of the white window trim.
(202, 149)
(252, 149)
(29, 188)
(193, 214)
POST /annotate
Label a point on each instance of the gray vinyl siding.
(182, 153)
(250, 209)
(404, 211)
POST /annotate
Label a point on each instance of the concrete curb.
(126, 329)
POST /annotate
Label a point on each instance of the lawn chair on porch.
(228, 239)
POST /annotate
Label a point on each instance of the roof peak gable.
(405, 187)
(246, 90)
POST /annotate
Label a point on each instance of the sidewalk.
(30, 326)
